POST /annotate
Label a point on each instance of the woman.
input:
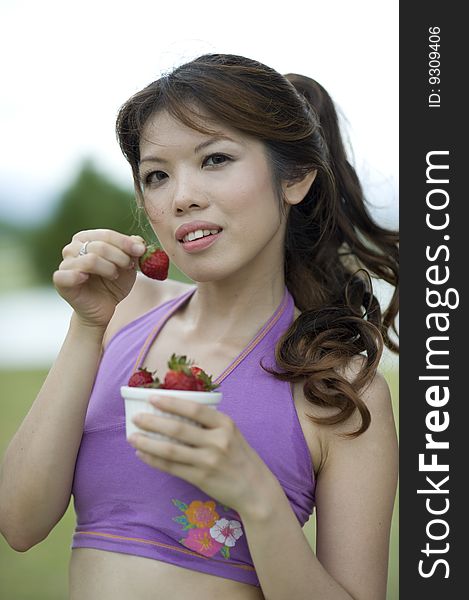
(282, 315)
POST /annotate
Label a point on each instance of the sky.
(67, 66)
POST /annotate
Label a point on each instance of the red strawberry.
(200, 385)
(179, 376)
(179, 381)
(183, 376)
(154, 263)
(198, 374)
(143, 378)
(204, 381)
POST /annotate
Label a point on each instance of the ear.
(295, 191)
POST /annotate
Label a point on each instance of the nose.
(187, 195)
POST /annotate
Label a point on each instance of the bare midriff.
(102, 575)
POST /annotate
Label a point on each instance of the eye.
(216, 159)
(153, 177)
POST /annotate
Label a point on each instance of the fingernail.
(138, 248)
(156, 401)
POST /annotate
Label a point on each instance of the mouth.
(199, 234)
(194, 242)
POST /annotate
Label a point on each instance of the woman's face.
(222, 180)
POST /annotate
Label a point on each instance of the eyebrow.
(198, 148)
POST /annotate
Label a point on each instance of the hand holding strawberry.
(96, 273)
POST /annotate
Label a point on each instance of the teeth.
(200, 233)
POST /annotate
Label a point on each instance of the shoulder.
(326, 440)
(378, 444)
(376, 395)
(145, 295)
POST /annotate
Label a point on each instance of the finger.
(179, 430)
(165, 449)
(173, 468)
(105, 250)
(69, 279)
(129, 244)
(205, 415)
(92, 264)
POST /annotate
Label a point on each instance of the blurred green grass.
(42, 572)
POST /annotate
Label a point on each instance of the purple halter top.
(126, 506)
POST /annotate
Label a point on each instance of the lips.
(186, 228)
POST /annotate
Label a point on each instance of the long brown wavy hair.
(332, 244)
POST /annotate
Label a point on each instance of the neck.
(234, 309)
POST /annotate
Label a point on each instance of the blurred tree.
(92, 201)
(16, 270)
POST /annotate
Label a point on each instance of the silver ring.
(83, 249)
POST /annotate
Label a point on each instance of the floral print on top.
(207, 532)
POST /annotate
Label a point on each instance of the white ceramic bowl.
(137, 401)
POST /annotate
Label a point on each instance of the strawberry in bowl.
(182, 380)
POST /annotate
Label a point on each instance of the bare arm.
(355, 496)
(37, 470)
